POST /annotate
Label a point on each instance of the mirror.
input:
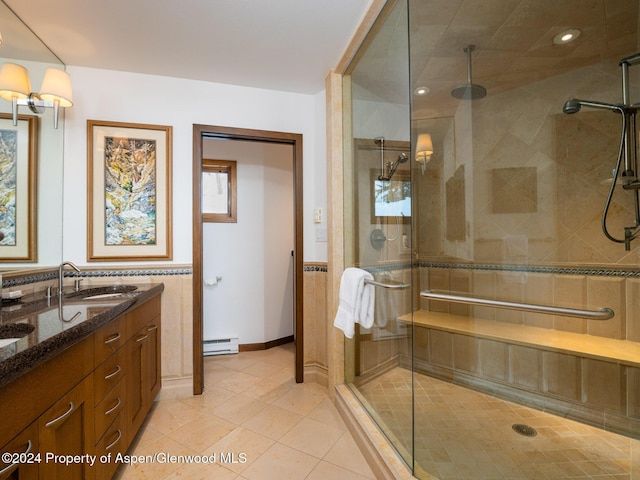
(21, 46)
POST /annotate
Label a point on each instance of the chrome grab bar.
(388, 286)
(602, 314)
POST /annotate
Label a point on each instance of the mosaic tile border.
(27, 279)
(315, 268)
(144, 272)
(600, 272)
(53, 275)
(161, 272)
(323, 268)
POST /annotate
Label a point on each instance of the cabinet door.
(67, 428)
(137, 366)
(154, 376)
(22, 447)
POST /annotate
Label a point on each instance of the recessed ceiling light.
(421, 90)
(566, 36)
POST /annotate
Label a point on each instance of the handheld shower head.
(402, 158)
(573, 105)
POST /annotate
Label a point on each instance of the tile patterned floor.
(463, 434)
(253, 409)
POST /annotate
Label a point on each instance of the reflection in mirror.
(439, 190)
(21, 46)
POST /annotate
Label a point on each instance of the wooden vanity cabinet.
(91, 399)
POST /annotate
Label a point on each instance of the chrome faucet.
(61, 274)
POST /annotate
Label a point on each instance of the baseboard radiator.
(220, 346)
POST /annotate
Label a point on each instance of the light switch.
(317, 215)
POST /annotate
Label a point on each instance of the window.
(219, 191)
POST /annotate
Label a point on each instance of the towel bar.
(388, 286)
(602, 314)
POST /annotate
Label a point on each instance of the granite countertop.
(47, 326)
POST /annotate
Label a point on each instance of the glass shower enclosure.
(491, 189)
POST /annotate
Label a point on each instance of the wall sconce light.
(15, 87)
(424, 150)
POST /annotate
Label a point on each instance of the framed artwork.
(129, 191)
(18, 195)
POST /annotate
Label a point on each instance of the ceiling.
(513, 39)
(287, 45)
(290, 45)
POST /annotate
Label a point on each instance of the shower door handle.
(602, 314)
(388, 286)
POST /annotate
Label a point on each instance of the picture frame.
(129, 191)
(18, 189)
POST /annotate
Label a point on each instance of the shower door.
(508, 345)
(526, 338)
(378, 223)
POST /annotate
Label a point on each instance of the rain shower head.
(469, 91)
(574, 105)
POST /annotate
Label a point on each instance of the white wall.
(254, 299)
(135, 98)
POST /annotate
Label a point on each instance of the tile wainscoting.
(177, 314)
(315, 323)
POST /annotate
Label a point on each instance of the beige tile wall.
(177, 321)
(315, 322)
(592, 390)
(590, 292)
(598, 392)
(177, 328)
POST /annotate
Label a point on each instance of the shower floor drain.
(525, 430)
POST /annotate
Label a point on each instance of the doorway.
(200, 133)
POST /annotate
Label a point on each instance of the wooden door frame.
(294, 139)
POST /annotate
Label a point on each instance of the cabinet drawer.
(112, 442)
(107, 375)
(109, 338)
(25, 443)
(110, 407)
(138, 318)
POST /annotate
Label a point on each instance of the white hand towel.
(385, 308)
(356, 304)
